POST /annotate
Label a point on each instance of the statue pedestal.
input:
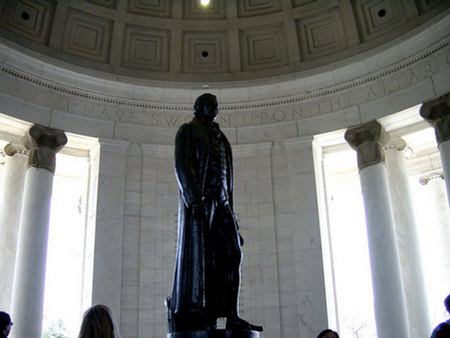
(215, 334)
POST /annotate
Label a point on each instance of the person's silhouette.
(5, 324)
(98, 322)
(327, 333)
(443, 329)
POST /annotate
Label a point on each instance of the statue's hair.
(98, 322)
(200, 101)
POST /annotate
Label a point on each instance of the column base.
(215, 334)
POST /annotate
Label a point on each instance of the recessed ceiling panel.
(320, 35)
(159, 8)
(193, 9)
(105, 3)
(426, 5)
(263, 47)
(146, 48)
(31, 19)
(87, 35)
(248, 8)
(378, 17)
(172, 40)
(299, 3)
(205, 52)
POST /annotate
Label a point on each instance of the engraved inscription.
(357, 93)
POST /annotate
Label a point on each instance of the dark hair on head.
(324, 332)
(5, 320)
(98, 322)
(200, 101)
(447, 302)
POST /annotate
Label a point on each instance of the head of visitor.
(447, 303)
(327, 333)
(5, 324)
(98, 322)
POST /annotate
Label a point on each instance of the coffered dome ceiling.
(228, 40)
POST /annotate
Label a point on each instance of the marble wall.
(135, 236)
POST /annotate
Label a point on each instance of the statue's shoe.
(240, 324)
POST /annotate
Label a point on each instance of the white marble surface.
(444, 151)
(307, 262)
(407, 239)
(390, 307)
(109, 225)
(13, 177)
(29, 272)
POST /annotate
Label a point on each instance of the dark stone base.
(215, 334)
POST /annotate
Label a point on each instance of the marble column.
(29, 273)
(407, 239)
(437, 114)
(10, 205)
(390, 311)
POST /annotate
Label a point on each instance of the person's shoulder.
(442, 330)
(185, 126)
(445, 325)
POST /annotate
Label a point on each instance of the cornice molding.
(41, 81)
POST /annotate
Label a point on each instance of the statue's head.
(206, 105)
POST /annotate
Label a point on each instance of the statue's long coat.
(192, 149)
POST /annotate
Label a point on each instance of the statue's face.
(208, 107)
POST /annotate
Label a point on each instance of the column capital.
(398, 144)
(368, 139)
(43, 143)
(437, 113)
(11, 149)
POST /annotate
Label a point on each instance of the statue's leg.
(230, 260)
(191, 271)
(211, 285)
(233, 270)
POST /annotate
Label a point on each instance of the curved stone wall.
(406, 72)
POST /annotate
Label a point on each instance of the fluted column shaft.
(437, 114)
(390, 312)
(29, 273)
(10, 206)
(407, 240)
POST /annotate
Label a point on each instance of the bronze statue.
(207, 267)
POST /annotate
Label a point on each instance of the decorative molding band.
(229, 107)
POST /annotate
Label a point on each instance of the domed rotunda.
(337, 112)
